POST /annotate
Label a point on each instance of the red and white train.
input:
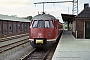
(44, 30)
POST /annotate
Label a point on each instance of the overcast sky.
(24, 8)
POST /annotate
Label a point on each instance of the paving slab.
(70, 48)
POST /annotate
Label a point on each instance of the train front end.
(42, 31)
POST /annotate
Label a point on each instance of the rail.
(12, 37)
(35, 54)
(13, 45)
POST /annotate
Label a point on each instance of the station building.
(82, 21)
(10, 25)
(80, 24)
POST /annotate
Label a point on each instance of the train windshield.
(47, 24)
(42, 24)
(35, 24)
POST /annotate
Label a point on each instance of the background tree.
(29, 17)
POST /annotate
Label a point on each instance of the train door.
(87, 29)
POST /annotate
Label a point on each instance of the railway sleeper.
(3, 44)
(12, 49)
(7, 47)
(12, 37)
(13, 43)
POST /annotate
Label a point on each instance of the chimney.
(86, 5)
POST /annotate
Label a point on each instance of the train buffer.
(70, 48)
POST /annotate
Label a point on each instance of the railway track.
(12, 37)
(36, 54)
(12, 45)
(51, 52)
(39, 54)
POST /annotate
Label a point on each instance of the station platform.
(70, 48)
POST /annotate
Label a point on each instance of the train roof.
(12, 18)
(44, 17)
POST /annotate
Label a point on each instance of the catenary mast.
(74, 9)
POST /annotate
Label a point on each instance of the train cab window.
(35, 24)
(51, 23)
(41, 24)
(47, 24)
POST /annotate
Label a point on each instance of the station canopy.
(68, 17)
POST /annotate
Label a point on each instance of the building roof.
(67, 17)
(85, 13)
(44, 17)
(12, 18)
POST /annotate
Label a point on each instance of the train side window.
(35, 24)
(41, 24)
(51, 23)
(47, 24)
